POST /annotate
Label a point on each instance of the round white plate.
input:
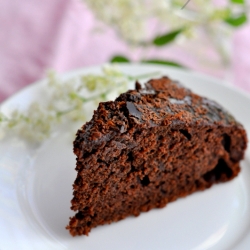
(36, 189)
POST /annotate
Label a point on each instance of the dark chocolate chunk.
(133, 110)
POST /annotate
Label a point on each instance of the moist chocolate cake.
(149, 147)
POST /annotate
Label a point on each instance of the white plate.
(36, 189)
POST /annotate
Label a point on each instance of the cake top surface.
(162, 102)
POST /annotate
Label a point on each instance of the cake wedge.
(149, 147)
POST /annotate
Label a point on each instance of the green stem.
(219, 48)
(92, 98)
(60, 113)
(147, 75)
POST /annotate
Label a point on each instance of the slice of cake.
(149, 147)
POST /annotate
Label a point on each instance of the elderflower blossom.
(130, 18)
(139, 22)
(67, 101)
(36, 121)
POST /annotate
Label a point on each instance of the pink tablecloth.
(40, 35)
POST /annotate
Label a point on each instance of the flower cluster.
(67, 101)
(149, 23)
(130, 18)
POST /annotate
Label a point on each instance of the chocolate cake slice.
(149, 147)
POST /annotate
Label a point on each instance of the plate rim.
(76, 71)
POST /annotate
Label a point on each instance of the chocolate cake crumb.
(149, 147)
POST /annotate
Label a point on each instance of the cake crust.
(149, 147)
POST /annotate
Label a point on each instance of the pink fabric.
(59, 34)
(241, 58)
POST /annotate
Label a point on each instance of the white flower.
(131, 18)
(68, 101)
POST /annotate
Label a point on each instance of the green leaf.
(164, 62)
(167, 38)
(238, 1)
(237, 21)
(119, 59)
